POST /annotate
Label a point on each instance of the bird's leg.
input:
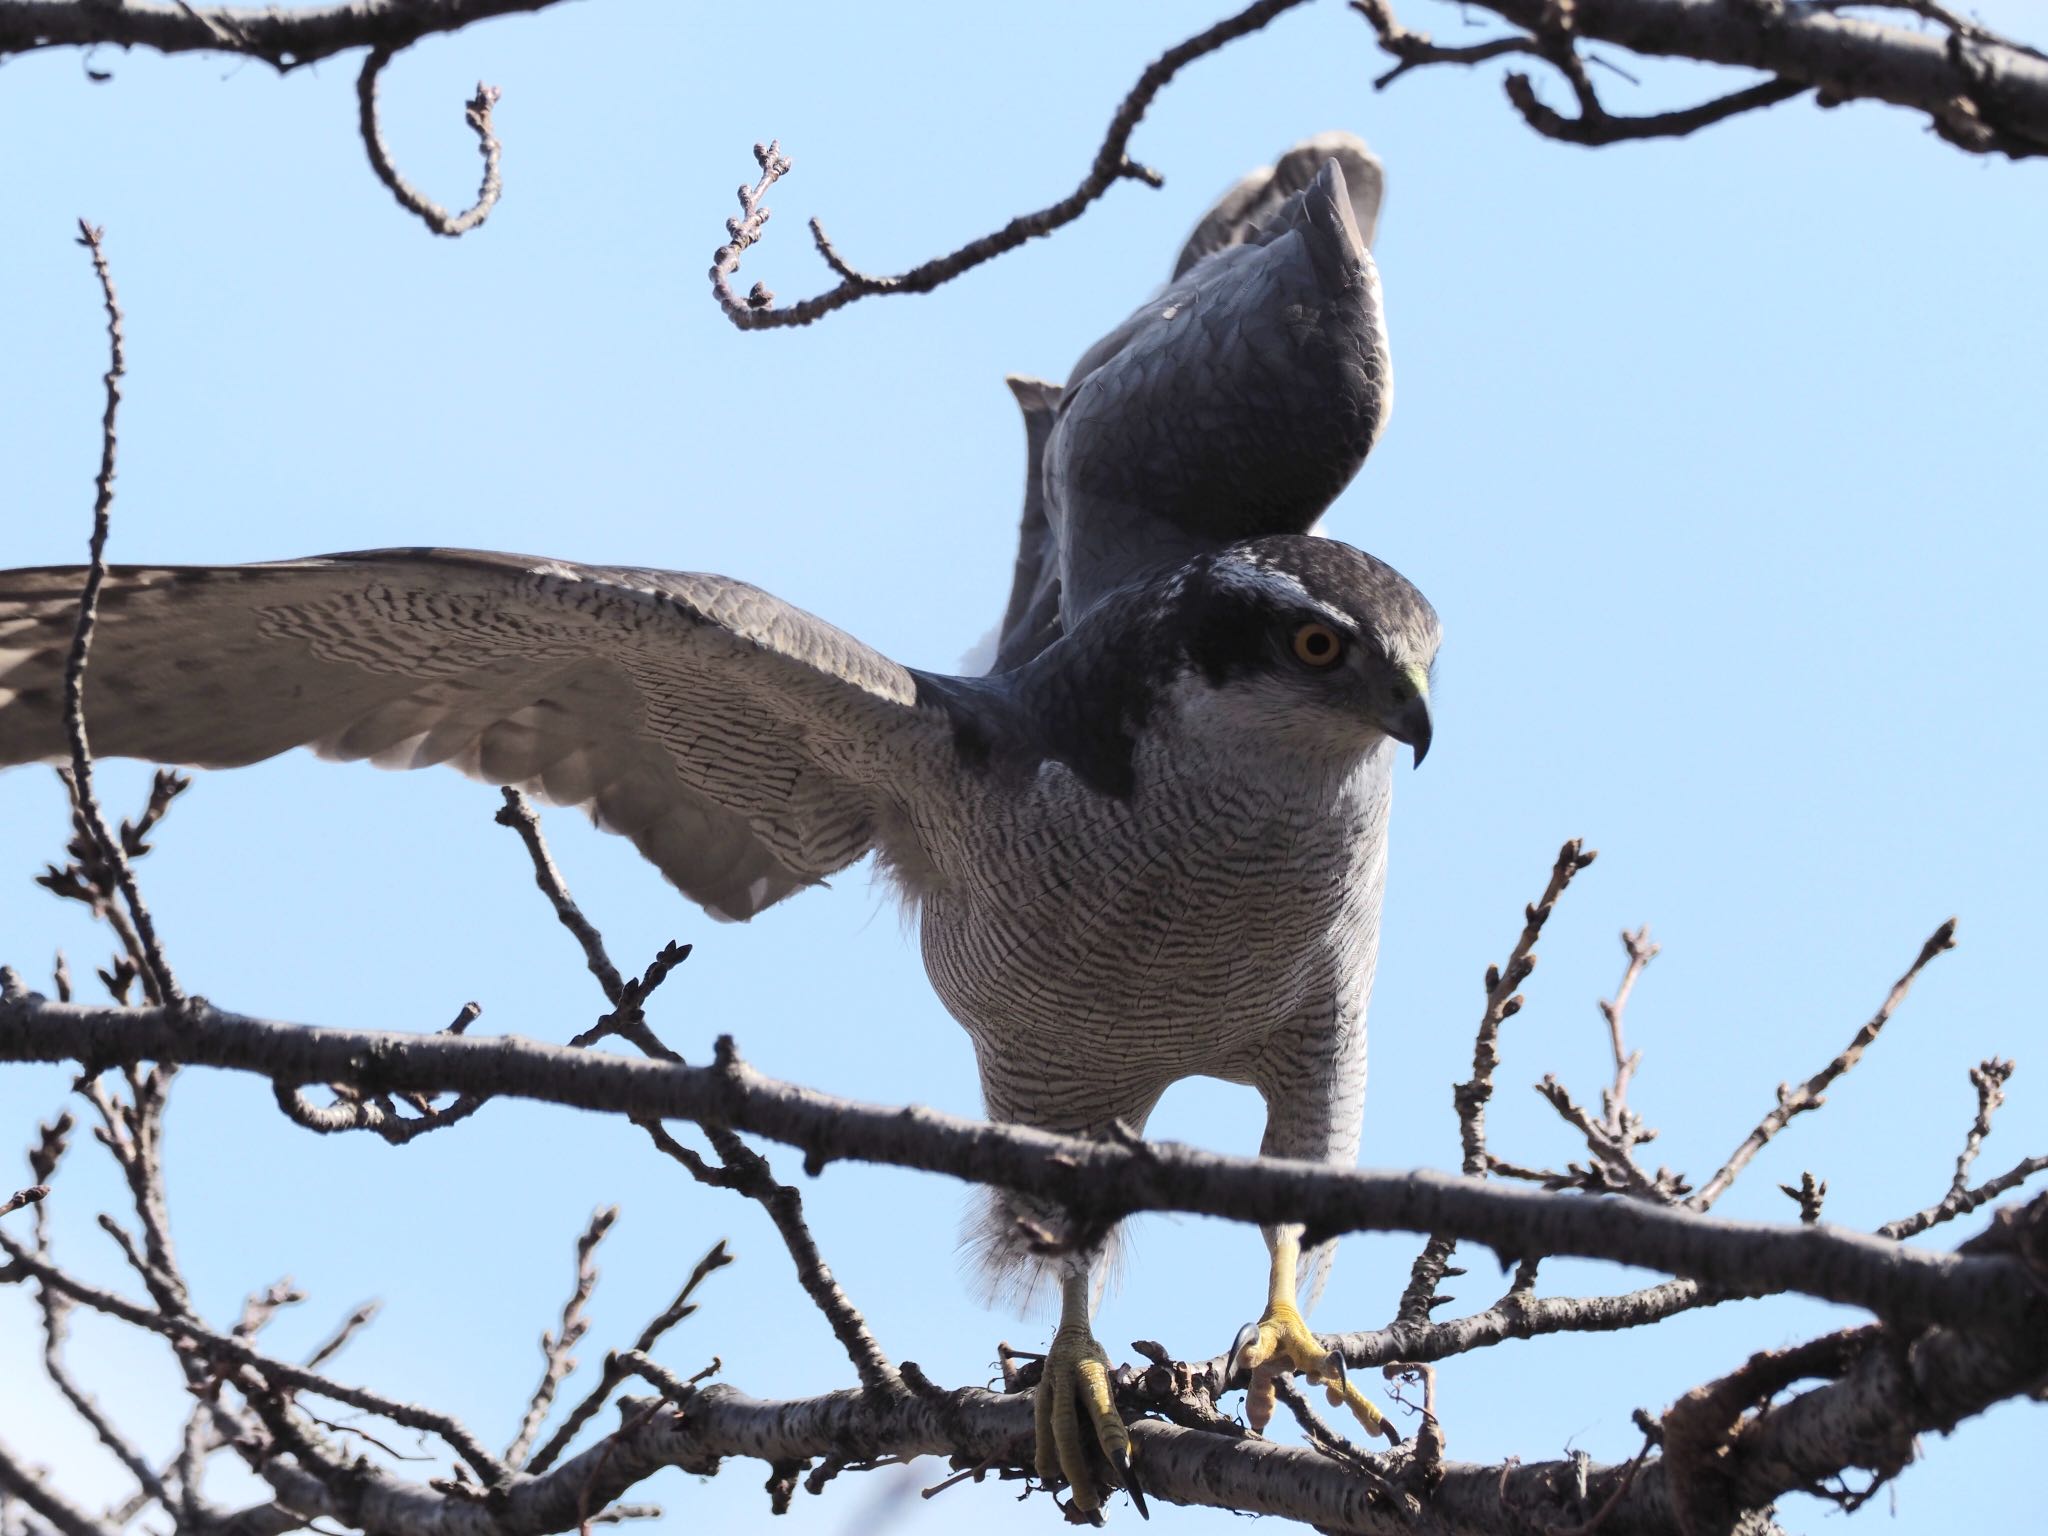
(1280, 1344)
(1074, 1401)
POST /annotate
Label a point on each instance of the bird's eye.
(1318, 644)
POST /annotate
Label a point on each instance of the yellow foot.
(1074, 1405)
(1280, 1344)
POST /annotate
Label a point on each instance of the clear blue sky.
(1721, 460)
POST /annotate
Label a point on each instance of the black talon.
(1333, 1369)
(1129, 1478)
(1247, 1336)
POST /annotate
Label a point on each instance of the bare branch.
(21, 1197)
(344, 1331)
(284, 38)
(740, 1167)
(1807, 1096)
(1982, 92)
(1596, 126)
(477, 113)
(1503, 1002)
(555, 1347)
(55, 1309)
(1097, 1179)
(1989, 1079)
(68, 1519)
(1620, 1122)
(1807, 1194)
(221, 1347)
(1112, 164)
(164, 986)
(519, 815)
(1415, 49)
(618, 1366)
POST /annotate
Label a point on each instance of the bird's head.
(1288, 645)
(1303, 643)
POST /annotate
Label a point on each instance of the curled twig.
(476, 112)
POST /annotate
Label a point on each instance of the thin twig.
(1614, 1102)
(1808, 1095)
(1989, 1079)
(1595, 126)
(21, 1197)
(519, 815)
(1112, 164)
(555, 1347)
(163, 984)
(1807, 1194)
(344, 1331)
(476, 112)
(20, 1482)
(1416, 49)
(278, 1373)
(615, 1371)
(740, 1168)
(1503, 1002)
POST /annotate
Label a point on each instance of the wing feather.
(746, 747)
(1236, 402)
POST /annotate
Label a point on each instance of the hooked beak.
(1411, 723)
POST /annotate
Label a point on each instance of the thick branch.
(1884, 1396)
(1983, 93)
(284, 38)
(1896, 1282)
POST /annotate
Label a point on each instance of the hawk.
(1150, 844)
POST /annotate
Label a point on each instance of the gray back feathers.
(1238, 401)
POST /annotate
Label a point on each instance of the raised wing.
(1236, 402)
(1032, 620)
(1249, 207)
(744, 746)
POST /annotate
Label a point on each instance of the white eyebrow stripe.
(1248, 571)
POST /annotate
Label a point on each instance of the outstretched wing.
(1236, 402)
(746, 747)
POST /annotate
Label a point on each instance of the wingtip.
(1340, 165)
(1034, 396)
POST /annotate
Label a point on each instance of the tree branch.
(285, 39)
(1808, 1095)
(1893, 1281)
(477, 113)
(157, 970)
(67, 1518)
(1112, 164)
(1982, 92)
(1503, 1002)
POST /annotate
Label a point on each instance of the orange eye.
(1318, 644)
